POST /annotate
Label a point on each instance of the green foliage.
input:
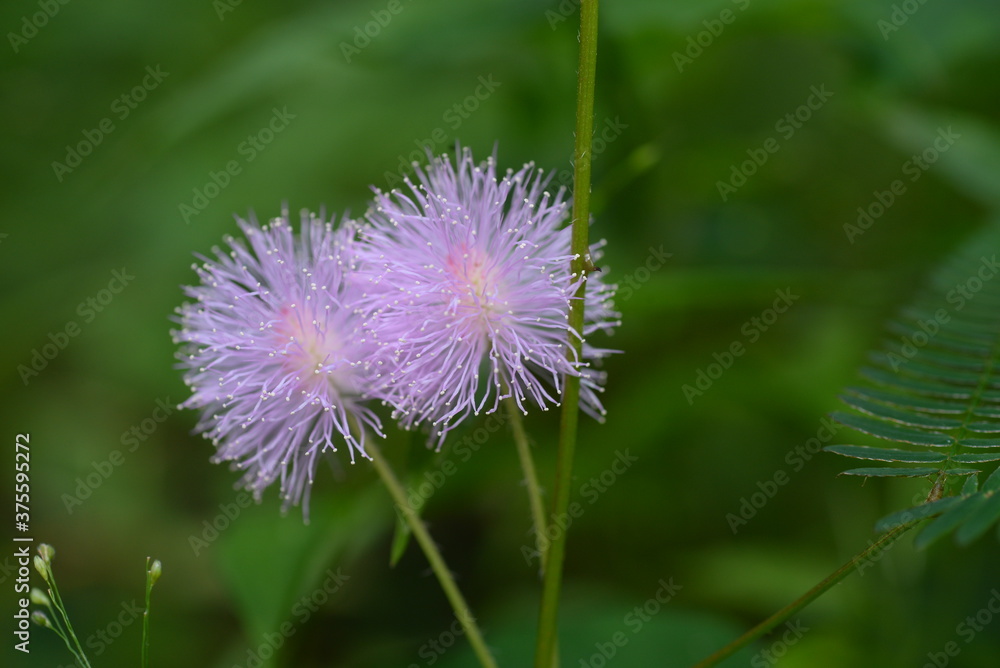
(654, 186)
(933, 391)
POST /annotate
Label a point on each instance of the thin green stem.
(545, 650)
(76, 648)
(440, 569)
(792, 608)
(150, 580)
(530, 479)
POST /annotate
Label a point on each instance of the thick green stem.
(792, 608)
(530, 479)
(440, 569)
(545, 650)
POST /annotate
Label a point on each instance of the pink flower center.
(310, 346)
(474, 284)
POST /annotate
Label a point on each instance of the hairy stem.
(440, 569)
(545, 650)
(530, 479)
(794, 607)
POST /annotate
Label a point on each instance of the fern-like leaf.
(933, 394)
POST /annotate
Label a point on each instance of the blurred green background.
(685, 90)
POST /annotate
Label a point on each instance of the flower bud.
(47, 552)
(41, 619)
(155, 571)
(42, 567)
(38, 597)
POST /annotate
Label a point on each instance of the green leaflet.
(916, 367)
(985, 515)
(922, 404)
(888, 454)
(939, 357)
(887, 472)
(901, 517)
(933, 392)
(892, 431)
(902, 417)
(949, 520)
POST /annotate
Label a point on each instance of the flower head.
(274, 355)
(467, 291)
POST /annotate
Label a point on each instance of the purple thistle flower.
(274, 354)
(467, 291)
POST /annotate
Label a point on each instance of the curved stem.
(781, 615)
(440, 569)
(530, 479)
(545, 650)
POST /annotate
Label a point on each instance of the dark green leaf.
(901, 517)
(975, 458)
(980, 520)
(909, 401)
(971, 485)
(984, 427)
(952, 343)
(900, 416)
(980, 442)
(936, 387)
(920, 387)
(949, 520)
(941, 357)
(992, 482)
(887, 454)
(892, 432)
(886, 472)
(914, 366)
